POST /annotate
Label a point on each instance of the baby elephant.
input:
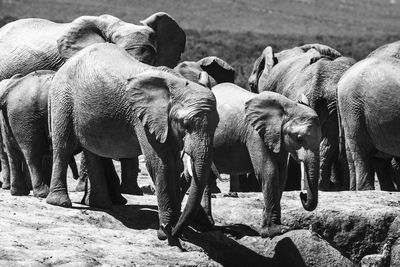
(255, 133)
(23, 101)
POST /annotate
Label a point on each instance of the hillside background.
(238, 30)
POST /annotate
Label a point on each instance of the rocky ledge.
(342, 231)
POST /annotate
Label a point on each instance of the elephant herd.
(114, 90)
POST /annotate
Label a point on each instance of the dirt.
(345, 227)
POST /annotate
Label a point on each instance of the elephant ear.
(262, 66)
(149, 97)
(324, 50)
(218, 69)
(265, 113)
(171, 39)
(82, 32)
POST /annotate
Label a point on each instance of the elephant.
(255, 133)
(368, 109)
(23, 101)
(117, 107)
(313, 70)
(27, 45)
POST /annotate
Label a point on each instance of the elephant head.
(183, 114)
(263, 65)
(158, 41)
(218, 71)
(294, 127)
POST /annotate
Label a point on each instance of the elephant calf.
(255, 133)
(23, 101)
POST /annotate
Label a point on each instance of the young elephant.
(23, 101)
(255, 133)
(313, 70)
(116, 107)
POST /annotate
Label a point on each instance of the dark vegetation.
(241, 49)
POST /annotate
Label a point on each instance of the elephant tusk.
(303, 175)
(189, 165)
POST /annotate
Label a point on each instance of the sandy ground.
(33, 233)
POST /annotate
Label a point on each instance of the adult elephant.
(313, 70)
(368, 99)
(27, 45)
(23, 102)
(117, 107)
(255, 133)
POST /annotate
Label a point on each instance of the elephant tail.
(6, 86)
(341, 130)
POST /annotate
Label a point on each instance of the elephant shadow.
(229, 252)
(139, 217)
(220, 243)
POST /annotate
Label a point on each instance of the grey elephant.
(255, 133)
(368, 101)
(118, 107)
(27, 45)
(23, 101)
(313, 70)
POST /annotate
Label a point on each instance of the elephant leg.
(243, 183)
(363, 165)
(97, 194)
(129, 175)
(396, 172)
(34, 163)
(18, 185)
(266, 168)
(5, 165)
(234, 185)
(383, 171)
(294, 175)
(254, 185)
(83, 175)
(327, 168)
(113, 184)
(74, 168)
(352, 169)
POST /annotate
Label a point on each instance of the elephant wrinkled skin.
(255, 133)
(313, 70)
(368, 101)
(23, 101)
(32, 44)
(118, 107)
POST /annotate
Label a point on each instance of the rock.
(303, 248)
(395, 257)
(355, 223)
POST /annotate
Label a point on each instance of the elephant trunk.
(200, 165)
(310, 174)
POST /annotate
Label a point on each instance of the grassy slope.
(238, 31)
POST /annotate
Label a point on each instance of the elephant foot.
(131, 190)
(164, 233)
(273, 230)
(41, 191)
(80, 187)
(5, 186)
(118, 200)
(23, 191)
(104, 203)
(59, 198)
(203, 222)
